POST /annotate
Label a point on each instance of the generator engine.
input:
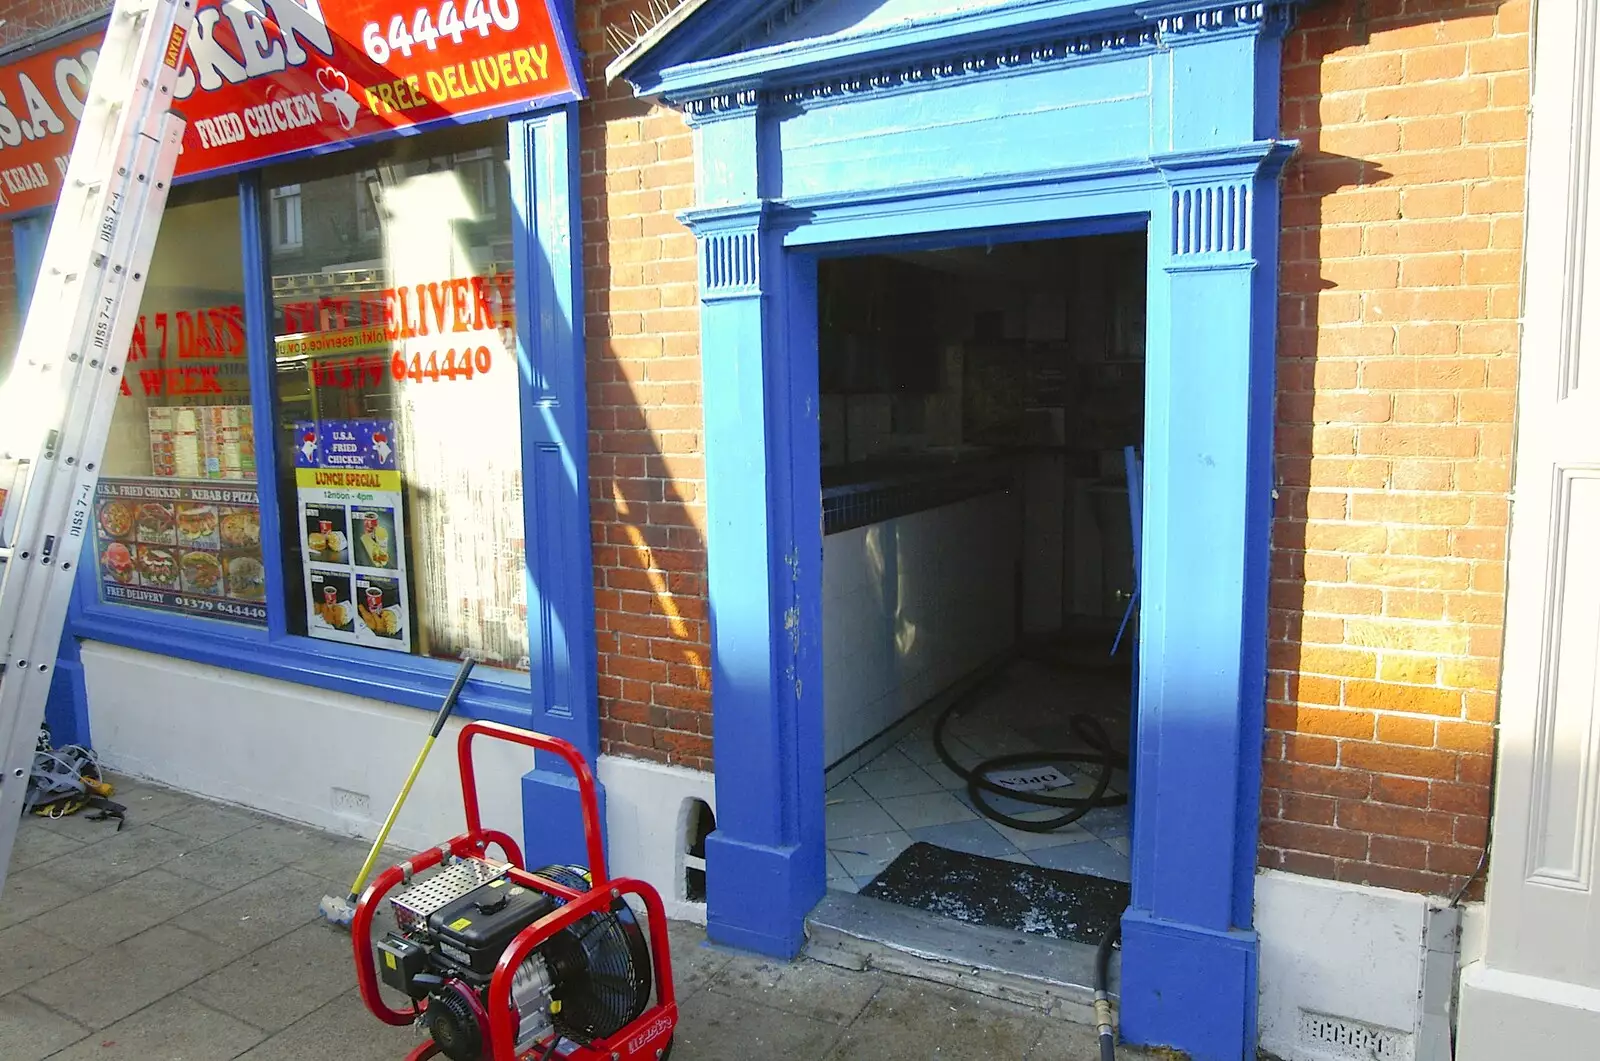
(586, 982)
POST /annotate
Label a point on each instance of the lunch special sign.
(266, 79)
(177, 547)
(352, 533)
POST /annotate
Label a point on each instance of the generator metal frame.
(646, 1037)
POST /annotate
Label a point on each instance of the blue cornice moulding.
(717, 47)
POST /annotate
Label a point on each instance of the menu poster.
(352, 533)
(194, 549)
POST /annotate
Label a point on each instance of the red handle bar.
(539, 742)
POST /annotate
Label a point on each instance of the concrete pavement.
(192, 935)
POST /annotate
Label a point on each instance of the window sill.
(412, 681)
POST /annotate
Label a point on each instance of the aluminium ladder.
(56, 405)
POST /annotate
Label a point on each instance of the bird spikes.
(621, 37)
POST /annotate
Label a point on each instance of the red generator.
(503, 964)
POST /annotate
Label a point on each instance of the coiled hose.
(1099, 753)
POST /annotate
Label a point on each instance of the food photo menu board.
(178, 547)
(352, 533)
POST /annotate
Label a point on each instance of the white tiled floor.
(907, 794)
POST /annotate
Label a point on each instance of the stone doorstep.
(1052, 976)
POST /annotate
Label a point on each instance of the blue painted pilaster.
(764, 863)
(560, 583)
(1189, 954)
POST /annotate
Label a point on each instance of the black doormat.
(1001, 894)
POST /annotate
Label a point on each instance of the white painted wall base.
(648, 816)
(1508, 1015)
(336, 762)
(1351, 972)
(326, 759)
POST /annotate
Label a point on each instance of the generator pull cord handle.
(416, 768)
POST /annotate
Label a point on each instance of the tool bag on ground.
(65, 781)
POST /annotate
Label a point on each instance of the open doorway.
(982, 417)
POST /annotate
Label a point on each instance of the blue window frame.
(557, 696)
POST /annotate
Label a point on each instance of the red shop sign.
(269, 79)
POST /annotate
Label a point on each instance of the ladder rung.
(96, 257)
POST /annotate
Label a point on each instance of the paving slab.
(259, 912)
(122, 910)
(31, 1032)
(31, 892)
(174, 1029)
(806, 988)
(341, 1030)
(208, 822)
(276, 985)
(715, 1027)
(251, 854)
(34, 846)
(920, 1022)
(82, 827)
(149, 802)
(124, 978)
(1064, 1039)
(341, 860)
(30, 954)
(93, 866)
(695, 962)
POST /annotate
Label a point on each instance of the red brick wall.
(646, 471)
(1398, 324)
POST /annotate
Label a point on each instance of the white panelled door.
(1535, 992)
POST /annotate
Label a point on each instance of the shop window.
(177, 516)
(397, 417)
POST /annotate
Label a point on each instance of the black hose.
(1099, 753)
(1102, 992)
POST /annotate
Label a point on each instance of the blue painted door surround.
(827, 128)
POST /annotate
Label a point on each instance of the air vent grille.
(1345, 1038)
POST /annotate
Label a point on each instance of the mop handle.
(416, 768)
